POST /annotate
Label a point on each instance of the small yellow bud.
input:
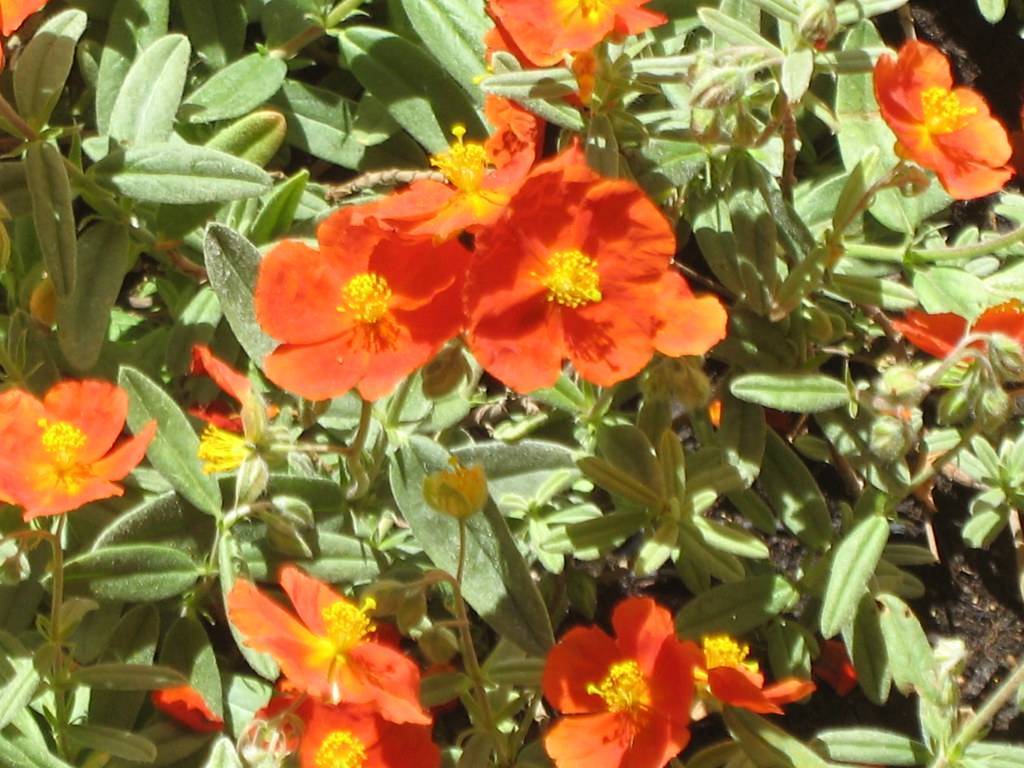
(459, 492)
(42, 304)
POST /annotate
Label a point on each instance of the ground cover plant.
(539, 383)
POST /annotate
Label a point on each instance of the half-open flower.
(580, 268)
(58, 453)
(328, 649)
(731, 677)
(939, 334)
(187, 706)
(945, 129)
(353, 736)
(625, 700)
(546, 30)
(365, 311)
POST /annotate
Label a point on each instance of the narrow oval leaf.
(853, 565)
(793, 494)
(736, 608)
(52, 214)
(453, 31)
(127, 677)
(797, 392)
(872, 745)
(19, 679)
(44, 66)
(237, 89)
(134, 573)
(149, 97)
(128, 746)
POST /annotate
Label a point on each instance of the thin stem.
(397, 404)
(8, 113)
(462, 552)
(983, 248)
(354, 457)
(291, 48)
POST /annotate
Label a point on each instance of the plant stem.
(462, 552)
(354, 457)
(8, 113)
(983, 248)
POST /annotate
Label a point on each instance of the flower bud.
(269, 743)
(439, 645)
(458, 492)
(994, 409)
(446, 372)
(901, 383)
(42, 305)
(888, 438)
(1007, 357)
(954, 406)
(715, 87)
(818, 23)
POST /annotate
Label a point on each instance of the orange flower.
(580, 268)
(235, 384)
(546, 30)
(328, 651)
(473, 195)
(57, 453)
(352, 736)
(939, 334)
(12, 15)
(517, 131)
(945, 129)
(365, 311)
(834, 667)
(725, 671)
(625, 700)
(186, 705)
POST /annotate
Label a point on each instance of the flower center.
(222, 451)
(572, 279)
(593, 11)
(723, 651)
(341, 749)
(624, 689)
(943, 112)
(367, 297)
(348, 624)
(464, 165)
(62, 441)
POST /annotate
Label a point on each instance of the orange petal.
(580, 659)
(690, 325)
(125, 457)
(935, 334)
(733, 687)
(186, 705)
(316, 371)
(392, 680)
(46, 500)
(13, 14)
(226, 377)
(309, 596)
(641, 629)
(96, 407)
(598, 741)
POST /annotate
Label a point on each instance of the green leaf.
(417, 93)
(255, 138)
(628, 450)
(180, 174)
(44, 66)
(149, 97)
(797, 69)
(736, 608)
(232, 567)
(237, 89)
(133, 573)
(793, 494)
(23, 753)
(995, 755)
(233, 263)
(83, 316)
(223, 755)
(497, 582)
(992, 10)
(187, 649)
(945, 289)
(133, 642)
(453, 31)
(52, 214)
(910, 655)
(217, 30)
(14, 194)
(320, 122)
(866, 644)
(134, 25)
(118, 743)
(245, 695)
(127, 677)
(166, 520)
(19, 679)
(768, 744)
(175, 448)
(742, 437)
(796, 392)
(871, 745)
(278, 212)
(853, 565)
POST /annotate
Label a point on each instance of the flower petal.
(641, 628)
(96, 407)
(581, 658)
(317, 371)
(598, 740)
(935, 334)
(392, 681)
(226, 377)
(732, 686)
(309, 596)
(126, 456)
(186, 705)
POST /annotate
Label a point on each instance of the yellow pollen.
(347, 623)
(341, 749)
(464, 165)
(222, 451)
(624, 689)
(367, 297)
(593, 11)
(572, 279)
(723, 651)
(943, 112)
(62, 441)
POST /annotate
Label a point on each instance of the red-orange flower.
(473, 195)
(57, 454)
(940, 333)
(363, 312)
(945, 129)
(352, 736)
(12, 15)
(580, 268)
(235, 384)
(625, 701)
(517, 132)
(726, 672)
(186, 705)
(546, 30)
(834, 667)
(329, 650)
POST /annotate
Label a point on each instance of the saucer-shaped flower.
(328, 650)
(187, 706)
(938, 334)
(58, 453)
(580, 268)
(354, 736)
(546, 30)
(945, 129)
(474, 193)
(731, 677)
(624, 700)
(363, 312)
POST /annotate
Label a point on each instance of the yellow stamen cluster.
(459, 492)
(62, 441)
(724, 651)
(366, 297)
(943, 112)
(592, 11)
(572, 279)
(624, 689)
(222, 451)
(341, 749)
(463, 165)
(348, 624)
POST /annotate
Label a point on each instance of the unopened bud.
(254, 417)
(42, 304)
(1007, 357)
(717, 87)
(888, 439)
(954, 406)
(994, 409)
(446, 372)
(251, 480)
(901, 383)
(439, 645)
(269, 743)
(818, 22)
(388, 594)
(458, 492)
